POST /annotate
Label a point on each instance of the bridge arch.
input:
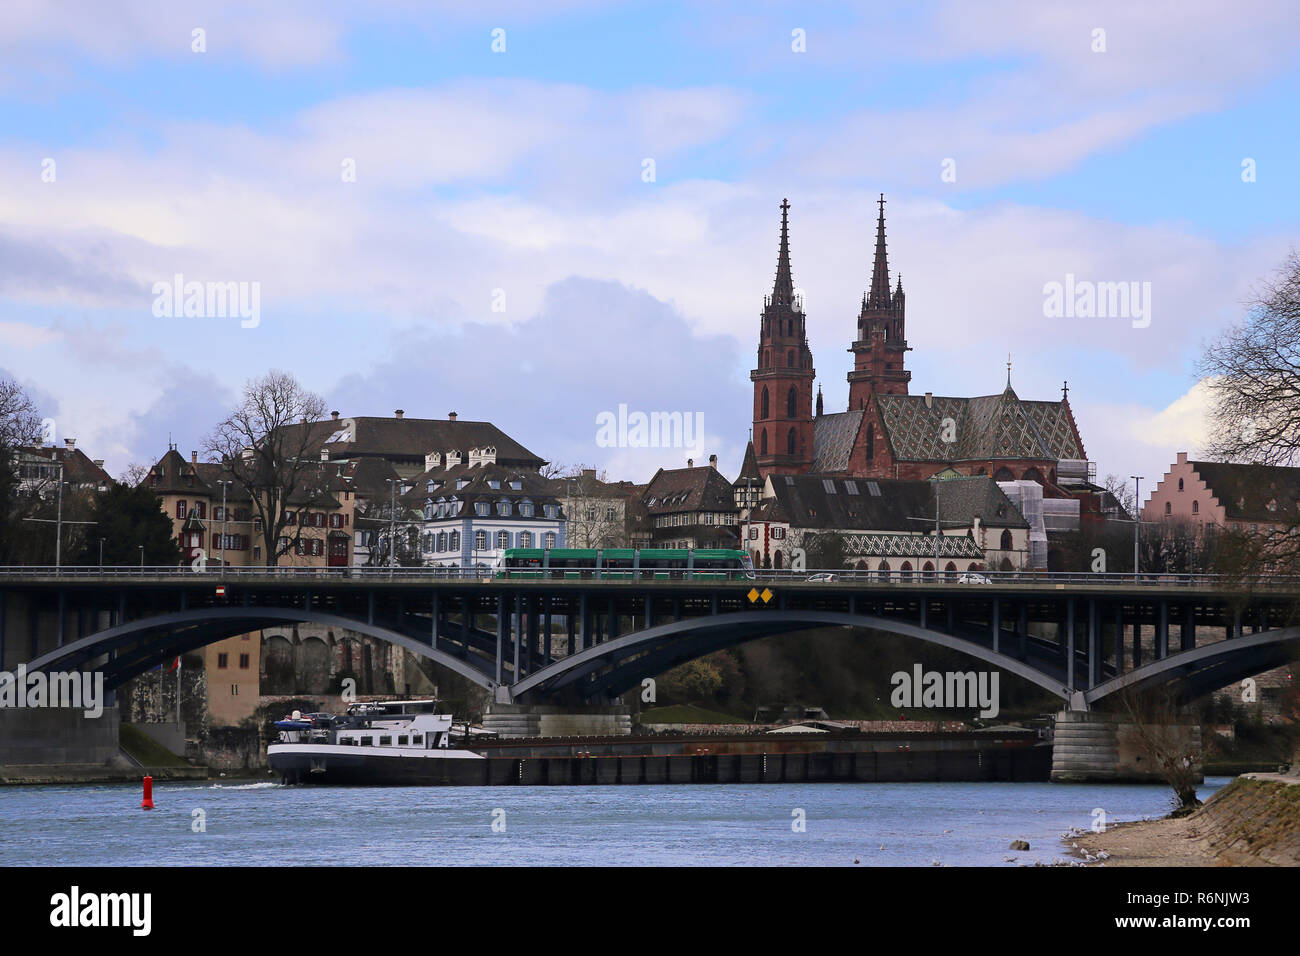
(621, 663)
(183, 631)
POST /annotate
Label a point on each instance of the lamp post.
(1137, 518)
(141, 555)
(224, 485)
(101, 555)
(392, 523)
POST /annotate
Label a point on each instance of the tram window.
(402, 741)
(385, 741)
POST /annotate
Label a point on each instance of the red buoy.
(147, 802)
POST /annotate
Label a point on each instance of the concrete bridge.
(582, 641)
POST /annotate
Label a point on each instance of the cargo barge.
(454, 759)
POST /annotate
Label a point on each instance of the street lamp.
(101, 555)
(392, 523)
(141, 555)
(224, 485)
(1137, 518)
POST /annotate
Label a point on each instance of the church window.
(762, 450)
(1180, 484)
(1196, 507)
(1006, 539)
(791, 403)
(789, 443)
(789, 358)
(871, 442)
(764, 404)
(1169, 508)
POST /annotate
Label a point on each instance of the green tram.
(654, 564)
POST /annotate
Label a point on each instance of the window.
(762, 442)
(480, 540)
(243, 662)
(1169, 508)
(503, 508)
(180, 508)
(525, 539)
(503, 539)
(442, 541)
(764, 409)
(386, 741)
(526, 509)
(223, 661)
(778, 534)
(481, 509)
(1180, 484)
(789, 443)
(548, 539)
(610, 513)
(791, 403)
(290, 517)
(1006, 539)
(789, 358)
(453, 541)
(403, 740)
(1196, 507)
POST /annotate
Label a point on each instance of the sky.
(535, 213)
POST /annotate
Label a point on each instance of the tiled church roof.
(833, 437)
(987, 427)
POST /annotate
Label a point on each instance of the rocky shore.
(1254, 821)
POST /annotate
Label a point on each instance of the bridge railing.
(782, 576)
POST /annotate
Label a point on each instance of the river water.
(267, 824)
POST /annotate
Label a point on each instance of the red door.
(338, 552)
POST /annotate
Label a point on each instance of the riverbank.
(1254, 821)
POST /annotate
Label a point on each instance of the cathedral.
(887, 432)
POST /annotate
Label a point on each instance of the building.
(38, 470)
(1249, 498)
(597, 512)
(691, 507)
(889, 525)
(886, 432)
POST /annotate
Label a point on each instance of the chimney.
(70, 443)
(334, 415)
(399, 413)
(690, 462)
(929, 399)
(713, 462)
(99, 463)
(451, 416)
(589, 472)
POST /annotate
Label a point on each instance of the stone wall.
(31, 736)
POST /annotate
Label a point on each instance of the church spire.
(879, 297)
(783, 288)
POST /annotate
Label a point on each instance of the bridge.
(588, 638)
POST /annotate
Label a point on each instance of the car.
(971, 577)
(824, 578)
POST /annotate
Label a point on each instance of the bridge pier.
(1091, 747)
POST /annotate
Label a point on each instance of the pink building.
(1241, 497)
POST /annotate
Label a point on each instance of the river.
(267, 824)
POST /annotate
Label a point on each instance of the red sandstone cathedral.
(887, 433)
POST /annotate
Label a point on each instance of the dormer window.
(481, 509)
(526, 508)
(516, 484)
(494, 484)
(503, 507)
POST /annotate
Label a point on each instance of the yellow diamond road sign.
(766, 595)
(753, 595)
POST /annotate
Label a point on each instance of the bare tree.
(1165, 743)
(1253, 373)
(266, 445)
(20, 426)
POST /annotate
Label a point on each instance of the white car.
(970, 577)
(823, 578)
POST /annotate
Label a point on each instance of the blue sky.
(515, 179)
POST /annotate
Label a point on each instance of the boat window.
(418, 739)
(385, 741)
(402, 741)
(367, 741)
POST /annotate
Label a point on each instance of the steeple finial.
(783, 289)
(1065, 391)
(879, 297)
(1008, 370)
(819, 400)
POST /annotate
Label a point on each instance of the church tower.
(783, 380)
(880, 349)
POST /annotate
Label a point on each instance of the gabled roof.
(172, 474)
(78, 469)
(365, 436)
(688, 489)
(833, 438)
(1245, 491)
(894, 505)
(984, 428)
(749, 469)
